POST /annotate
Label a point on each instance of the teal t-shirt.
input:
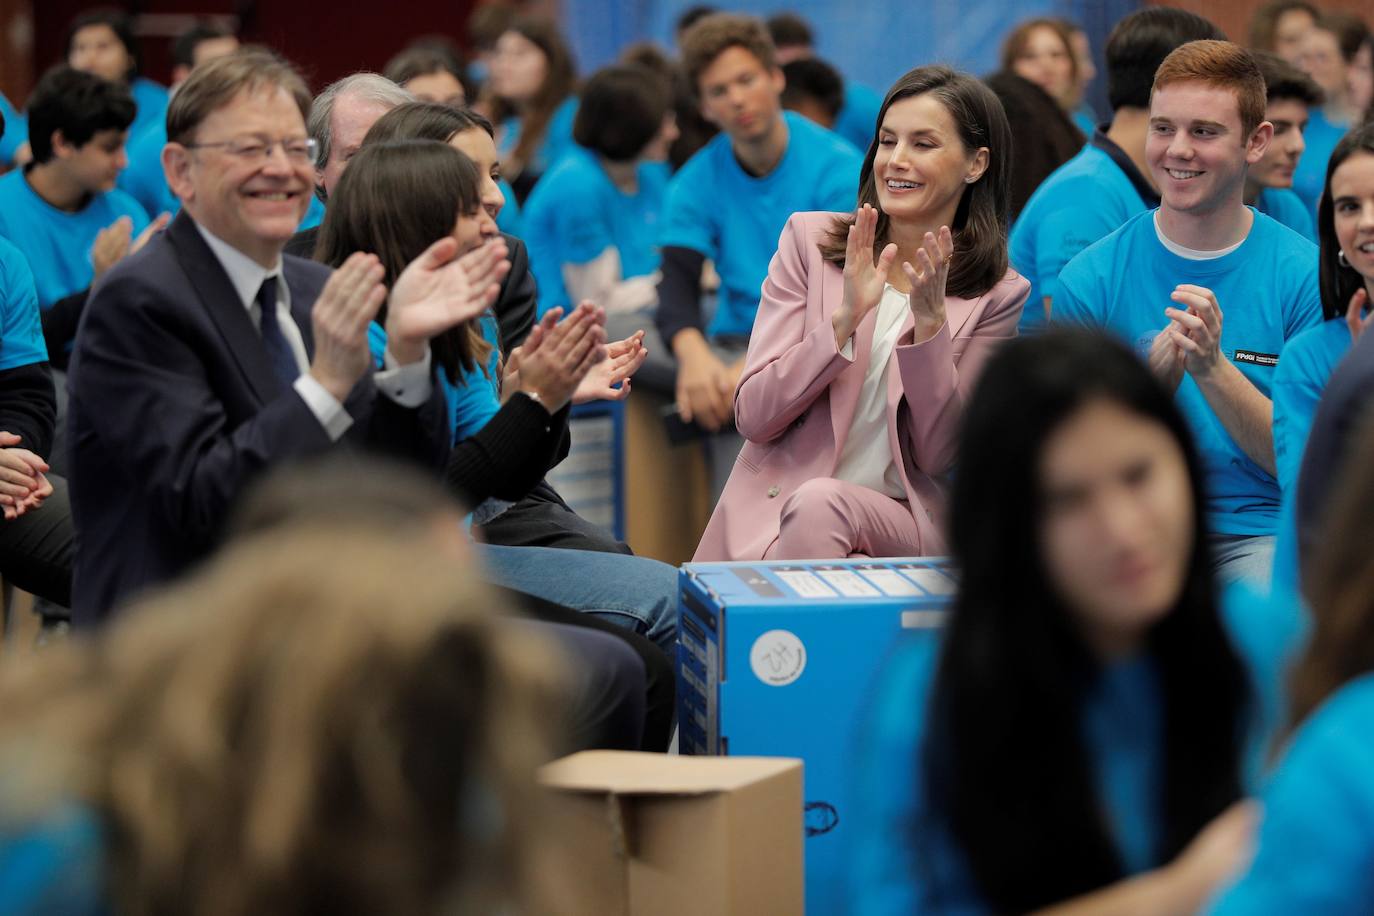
(151, 99)
(857, 120)
(576, 212)
(1315, 852)
(904, 864)
(21, 329)
(1304, 368)
(1267, 290)
(718, 209)
(1286, 207)
(557, 137)
(1083, 200)
(509, 220)
(16, 131)
(57, 244)
(1321, 137)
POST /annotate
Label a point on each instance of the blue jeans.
(1243, 557)
(636, 593)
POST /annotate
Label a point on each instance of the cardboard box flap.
(632, 773)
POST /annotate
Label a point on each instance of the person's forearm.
(679, 292)
(1154, 893)
(60, 321)
(1243, 410)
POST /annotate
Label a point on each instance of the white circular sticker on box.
(778, 658)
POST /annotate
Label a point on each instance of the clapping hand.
(1355, 319)
(864, 278)
(928, 278)
(439, 290)
(609, 379)
(23, 485)
(1198, 331)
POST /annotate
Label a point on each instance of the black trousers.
(600, 711)
(543, 519)
(36, 549)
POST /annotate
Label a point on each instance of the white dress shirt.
(866, 458)
(409, 386)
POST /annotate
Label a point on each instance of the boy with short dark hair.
(1290, 94)
(1177, 268)
(62, 210)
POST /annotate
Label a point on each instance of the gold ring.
(948, 258)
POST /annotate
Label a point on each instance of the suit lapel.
(957, 313)
(217, 294)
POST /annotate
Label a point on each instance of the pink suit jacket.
(797, 396)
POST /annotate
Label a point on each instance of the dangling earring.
(1340, 258)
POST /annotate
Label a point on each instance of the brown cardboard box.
(661, 835)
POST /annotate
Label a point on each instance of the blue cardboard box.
(777, 659)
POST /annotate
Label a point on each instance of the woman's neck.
(624, 175)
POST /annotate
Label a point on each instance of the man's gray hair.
(372, 87)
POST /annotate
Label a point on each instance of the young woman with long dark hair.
(872, 329)
(1092, 711)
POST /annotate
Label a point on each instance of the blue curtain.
(870, 41)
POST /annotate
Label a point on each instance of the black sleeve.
(28, 406)
(516, 305)
(679, 292)
(509, 455)
(59, 325)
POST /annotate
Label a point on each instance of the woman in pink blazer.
(870, 335)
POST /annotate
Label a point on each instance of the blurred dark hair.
(813, 78)
(621, 110)
(1014, 669)
(788, 30)
(1282, 80)
(184, 47)
(1264, 24)
(79, 104)
(121, 23)
(1138, 45)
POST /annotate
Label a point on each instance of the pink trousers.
(830, 519)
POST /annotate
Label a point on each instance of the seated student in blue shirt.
(591, 223)
(729, 205)
(1315, 851)
(532, 83)
(1207, 289)
(1082, 731)
(62, 210)
(14, 145)
(102, 42)
(1291, 95)
(1346, 278)
(856, 116)
(144, 179)
(1108, 182)
(1326, 52)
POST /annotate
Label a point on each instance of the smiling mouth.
(1182, 174)
(893, 185)
(273, 195)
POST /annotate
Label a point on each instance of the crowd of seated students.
(1164, 609)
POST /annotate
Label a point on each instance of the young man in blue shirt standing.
(1107, 182)
(729, 204)
(1163, 279)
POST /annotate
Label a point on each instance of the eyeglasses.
(256, 149)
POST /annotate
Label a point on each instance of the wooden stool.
(667, 487)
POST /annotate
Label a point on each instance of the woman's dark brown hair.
(395, 199)
(1339, 587)
(560, 81)
(980, 222)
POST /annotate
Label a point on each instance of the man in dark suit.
(208, 357)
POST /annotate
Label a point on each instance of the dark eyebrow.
(1215, 125)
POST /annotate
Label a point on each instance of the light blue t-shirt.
(557, 137)
(21, 329)
(1320, 137)
(151, 99)
(576, 212)
(717, 208)
(1267, 290)
(57, 244)
(1085, 119)
(857, 120)
(1315, 852)
(1083, 200)
(16, 131)
(1286, 207)
(1304, 368)
(510, 220)
(904, 864)
(53, 864)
